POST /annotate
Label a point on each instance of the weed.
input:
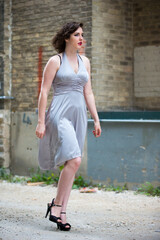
(149, 190)
(5, 175)
(79, 182)
(50, 178)
(37, 176)
(116, 189)
(112, 188)
(47, 177)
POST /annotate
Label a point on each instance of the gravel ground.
(93, 216)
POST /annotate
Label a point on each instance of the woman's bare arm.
(90, 100)
(48, 76)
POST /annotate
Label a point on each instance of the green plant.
(117, 188)
(5, 175)
(79, 182)
(36, 176)
(50, 178)
(61, 167)
(148, 189)
(112, 188)
(47, 177)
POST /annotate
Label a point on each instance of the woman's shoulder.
(55, 59)
(85, 60)
(83, 57)
(53, 62)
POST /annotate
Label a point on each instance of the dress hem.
(60, 164)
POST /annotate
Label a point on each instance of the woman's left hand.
(97, 131)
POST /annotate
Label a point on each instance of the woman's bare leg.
(65, 185)
(65, 200)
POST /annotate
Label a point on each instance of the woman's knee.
(75, 163)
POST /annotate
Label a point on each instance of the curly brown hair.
(58, 40)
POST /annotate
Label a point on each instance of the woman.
(62, 130)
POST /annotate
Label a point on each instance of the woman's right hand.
(40, 130)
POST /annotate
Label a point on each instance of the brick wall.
(34, 24)
(113, 29)
(146, 39)
(1, 52)
(5, 81)
(112, 54)
(146, 19)
(147, 71)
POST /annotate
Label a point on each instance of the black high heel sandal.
(62, 226)
(52, 217)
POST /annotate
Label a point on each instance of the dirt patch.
(93, 216)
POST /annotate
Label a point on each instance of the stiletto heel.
(52, 217)
(62, 226)
(58, 225)
(48, 209)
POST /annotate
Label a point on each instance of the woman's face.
(76, 39)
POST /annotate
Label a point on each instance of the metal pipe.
(127, 120)
(6, 97)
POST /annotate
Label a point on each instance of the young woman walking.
(62, 129)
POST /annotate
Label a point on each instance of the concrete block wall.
(146, 43)
(24, 149)
(127, 152)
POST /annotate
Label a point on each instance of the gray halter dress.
(66, 117)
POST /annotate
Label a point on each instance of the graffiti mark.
(26, 119)
(39, 69)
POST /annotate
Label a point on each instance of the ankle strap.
(63, 212)
(57, 205)
(53, 204)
